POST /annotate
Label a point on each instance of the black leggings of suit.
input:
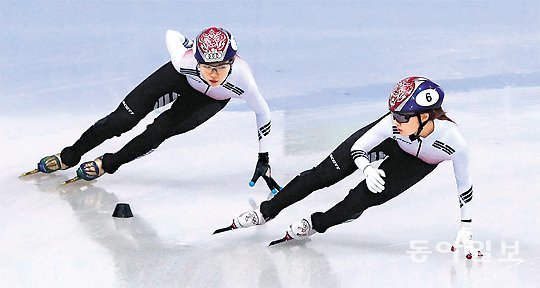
(402, 171)
(188, 111)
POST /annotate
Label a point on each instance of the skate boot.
(88, 171)
(48, 165)
(298, 231)
(244, 220)
(248, 219)
(301, 229)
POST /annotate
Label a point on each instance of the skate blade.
(286, 238)
(29, 173)
(74, 179)
(225, 229)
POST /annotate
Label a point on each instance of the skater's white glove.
(374, 180)
(464, 236)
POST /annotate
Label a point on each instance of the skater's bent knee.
(118, 121)
(314, 178)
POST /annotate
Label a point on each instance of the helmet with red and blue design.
(213, 45)
(414, 95)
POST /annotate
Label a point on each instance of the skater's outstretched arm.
(258, 104)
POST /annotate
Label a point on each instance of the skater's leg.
(402, 172)
(190, 110)
(338, 165)
(137, 104)
(323, 175)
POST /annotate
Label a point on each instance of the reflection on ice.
(139, 255)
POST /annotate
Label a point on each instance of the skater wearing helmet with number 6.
(412, 139)
(199, 81)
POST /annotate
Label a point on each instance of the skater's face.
(408, 126)
(215, 73)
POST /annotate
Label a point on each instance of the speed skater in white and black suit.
(413, 138)
(199, 81)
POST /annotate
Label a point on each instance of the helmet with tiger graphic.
(415, 95)
(213, 45)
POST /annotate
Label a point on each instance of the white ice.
(326, 68)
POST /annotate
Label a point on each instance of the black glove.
(263, 169)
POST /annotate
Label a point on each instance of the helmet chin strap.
(421, 126)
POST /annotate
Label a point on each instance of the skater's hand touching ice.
(263, 170)
(464, 237)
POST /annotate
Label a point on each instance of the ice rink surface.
(326, 68)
